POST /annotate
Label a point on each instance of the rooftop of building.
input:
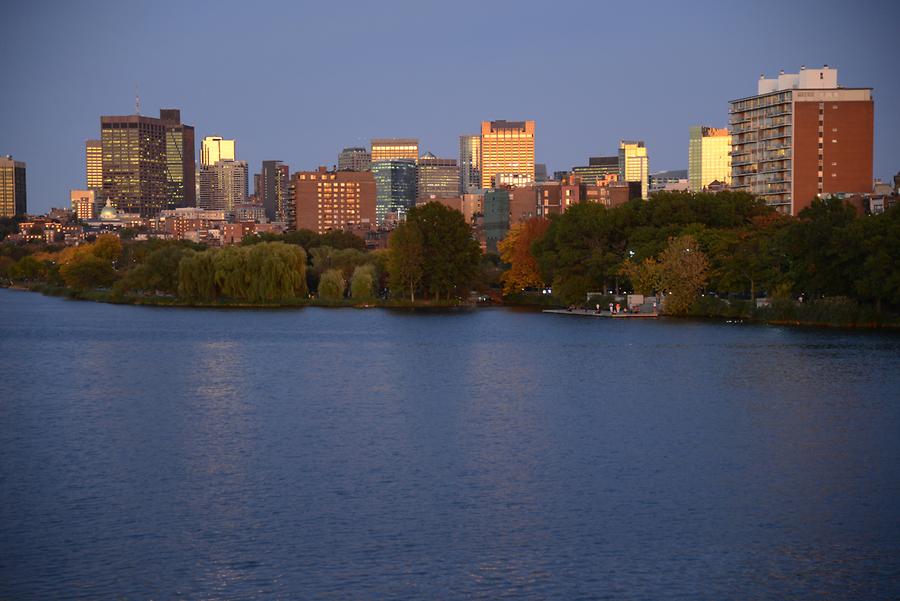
(825, 78)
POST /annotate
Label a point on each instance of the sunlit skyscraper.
(93, 164)
(386, 149)
(709, 157)
(634, 165)
(469, 163)
(507, 147)
(214, 149)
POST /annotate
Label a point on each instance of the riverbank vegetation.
(709, 255)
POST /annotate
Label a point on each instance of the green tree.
(197, 276)
(362, 284)
(683, 273)
(332, 285)
(406, 259)
(450, 256)
(87, 272)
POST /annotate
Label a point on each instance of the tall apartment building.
(13, 193)
(180, 164)
(388, 149)
(223, 185)
(134, 164)
(93, 164)
(395, 186)
(437, 178)
(597, 168)
(634, 165)
(469, 163)
(214, 149)
(507, 147)
(354, 159)
(709, 157)
(802, 136)
(272, 190)
(330, 200)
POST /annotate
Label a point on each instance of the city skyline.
(667, 87)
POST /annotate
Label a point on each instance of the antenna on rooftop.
(137, 101)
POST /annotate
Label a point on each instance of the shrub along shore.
(710, 255)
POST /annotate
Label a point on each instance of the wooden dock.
(588, 313)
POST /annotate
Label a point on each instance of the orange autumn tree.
(515, 250)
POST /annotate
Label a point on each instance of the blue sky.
(298, 81)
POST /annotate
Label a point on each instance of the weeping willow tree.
(265, 272)
(197, 276)
(332, 285)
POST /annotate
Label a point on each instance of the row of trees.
(682, 243)
(432, 254)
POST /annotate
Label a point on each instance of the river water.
(152, 453)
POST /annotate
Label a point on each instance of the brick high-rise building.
(802, 136)
(331, 200)
(13, 196)
(507, 148)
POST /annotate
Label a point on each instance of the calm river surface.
(151, 453)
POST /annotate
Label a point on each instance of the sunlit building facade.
(180, 164)
(395, 185)
(387, 149)
(354, 159)
(134, 164)
(333, 200)
(709, 157)
(634, 164)
(437, 178)
(85, 204)
(13, 193)
(597, 169)
(214, 149)
(506, 147)
(93, 164)
(469, 163)
(802, 136)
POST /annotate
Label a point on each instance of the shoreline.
(99, 296)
